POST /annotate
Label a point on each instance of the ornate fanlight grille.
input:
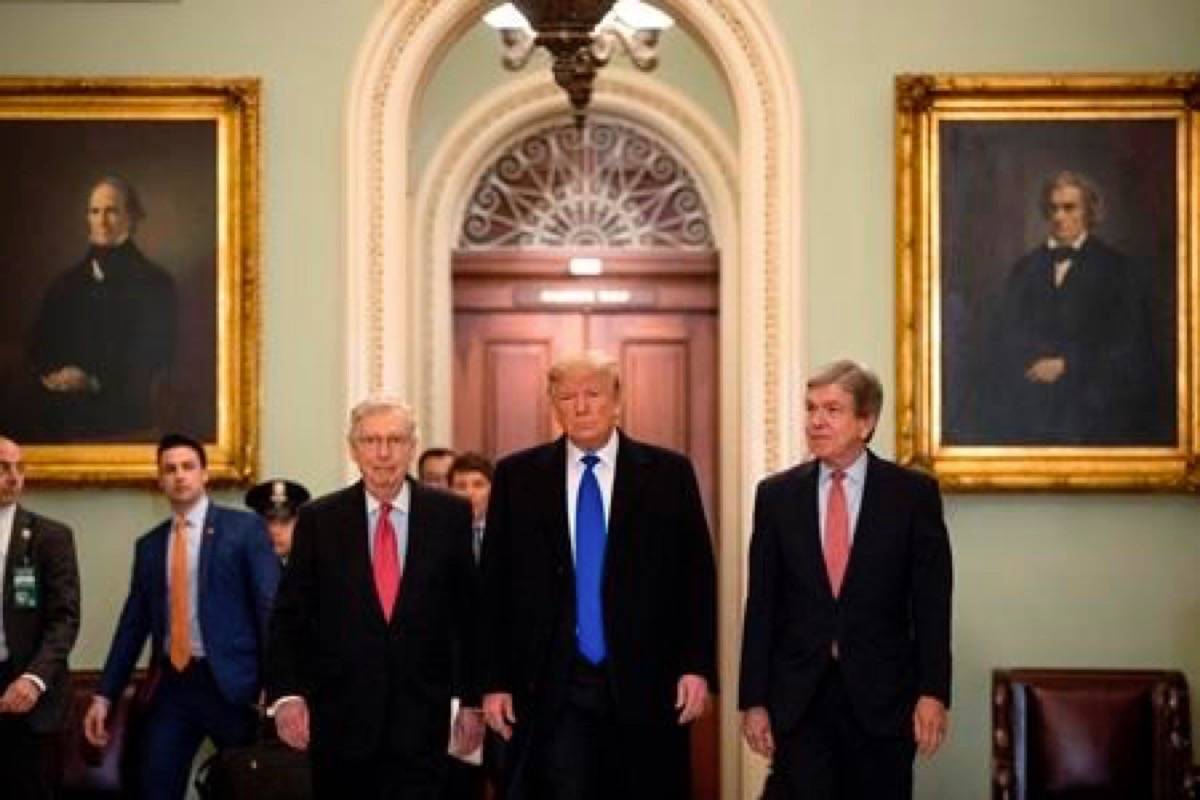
(606, 185)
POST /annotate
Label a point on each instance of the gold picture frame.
(1023, 364)
(156, 324)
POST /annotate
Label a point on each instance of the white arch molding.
(398, 288)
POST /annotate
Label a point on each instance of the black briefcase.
(266, 770)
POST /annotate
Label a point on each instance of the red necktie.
(837, 533)
(387, 564)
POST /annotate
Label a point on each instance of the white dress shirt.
(399, 518)
(605, 471)
(8, 514)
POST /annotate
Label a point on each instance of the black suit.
(39, 641)
(120, 330)
(1112, 392)
(658, 598)
(890, 623)
(376, 691)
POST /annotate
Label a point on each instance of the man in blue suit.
(202, 586)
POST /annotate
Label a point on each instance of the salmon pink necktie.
(837, 533)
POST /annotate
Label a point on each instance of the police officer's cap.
(277, 499)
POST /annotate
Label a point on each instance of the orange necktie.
(837, 533)
(180, 648)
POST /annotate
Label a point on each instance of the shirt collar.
(196, 515)
(607, 453)
(1075, 245)
(856, 472)
(8, 518)
(401, 503)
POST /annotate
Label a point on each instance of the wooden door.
(666, 345)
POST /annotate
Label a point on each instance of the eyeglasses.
(12, 468)
(376, 441)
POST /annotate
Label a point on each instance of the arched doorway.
(399, 332)
(616, 202)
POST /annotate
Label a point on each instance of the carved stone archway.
(396, 291)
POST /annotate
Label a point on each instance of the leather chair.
(88, 772)
(1091, 735)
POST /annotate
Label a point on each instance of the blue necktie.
(589, 563)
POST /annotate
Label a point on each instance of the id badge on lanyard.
(25, 583)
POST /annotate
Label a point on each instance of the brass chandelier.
(581, 36)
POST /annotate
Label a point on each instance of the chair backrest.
(1096, 734)
(88, 772)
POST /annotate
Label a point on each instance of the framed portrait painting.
(1046, 249)
(129, 250)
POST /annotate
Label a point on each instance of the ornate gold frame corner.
(924, 104)
(233, 106)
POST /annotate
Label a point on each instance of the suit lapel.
(627, 483)
(354, 545)
(417, 543)
(207, 537)
(869, 511)
(557, 528)
(157, 555)
(803, 516)
(21, 521)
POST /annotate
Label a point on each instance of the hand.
(467, 735)
(291, 723)
(94, 723)
(498, 712)
(20, 696)
(930, 723)
(1046, 370)
(756, 728)
(67, 379)
(691, 698)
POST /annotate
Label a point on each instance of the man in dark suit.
(846, 646)
(39, 619)
(1072, 358)
(380, 585)
(599, 604)
(104, 339)
(201, 591)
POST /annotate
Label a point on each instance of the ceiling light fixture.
(581, 37)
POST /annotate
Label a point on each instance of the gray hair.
(379, 404)
(859, 382)
(1093, 200)
(589, 361)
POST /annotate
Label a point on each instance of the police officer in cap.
(278, 501)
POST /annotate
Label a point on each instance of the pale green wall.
(1042, 579)
(304, 53)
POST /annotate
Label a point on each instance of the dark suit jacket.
(121, 331)
(891, 621)
(238, 574)
(373, 686)
(39, 640)
(1113, 389)
(658, 589)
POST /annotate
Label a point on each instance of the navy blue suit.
(237, 576)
